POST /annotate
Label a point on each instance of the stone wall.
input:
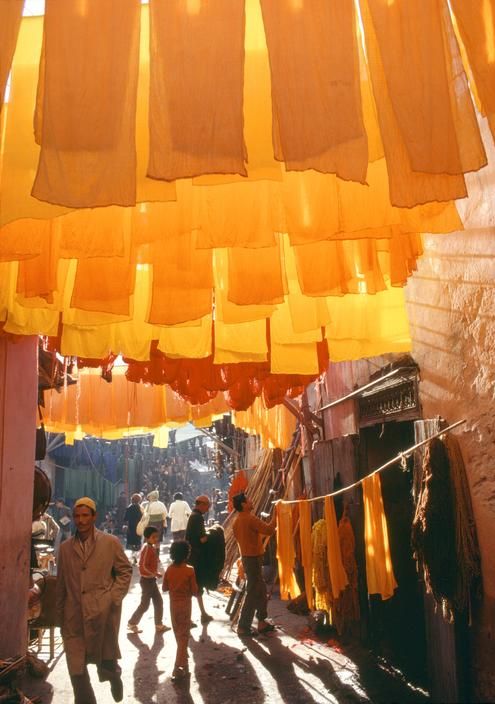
(451, 308)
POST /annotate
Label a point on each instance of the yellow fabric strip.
(286, 555)
(379, 570)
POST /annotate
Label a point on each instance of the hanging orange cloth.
(286, 554)
(306, 550)
(88, 145)
(379, 570)
(475, 20)
(338, 576)
(346, 607)
(196, 88)
(309, 133)
(238, 486)
(10, 21)
(427, 118)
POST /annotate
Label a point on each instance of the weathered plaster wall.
(451, 307)
(18, 395)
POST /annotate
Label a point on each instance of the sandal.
(269, 627)
(246, 634)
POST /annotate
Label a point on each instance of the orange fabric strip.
(10, 21)
(306, 549)
(317, 111)
(475, 19)
(338, 576)
(426, 114)
(196, 88)
(88, 152)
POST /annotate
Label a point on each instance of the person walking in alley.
(249, 531)
(132, 517)
(180, 582)
(158, 513)
(93, 576)
(196, 537)
(148, 569)
(178, 512)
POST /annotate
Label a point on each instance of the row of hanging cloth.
(326, 552)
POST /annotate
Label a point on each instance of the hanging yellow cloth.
(338, 576)
(275, 426)
(286, 554)
(379, 570)
(321, 576)
(306, 550)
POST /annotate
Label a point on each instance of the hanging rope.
(398, 458)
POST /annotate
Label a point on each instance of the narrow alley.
(289, 665)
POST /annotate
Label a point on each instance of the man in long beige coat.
(93, 576)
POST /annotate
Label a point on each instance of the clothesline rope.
(397, 458)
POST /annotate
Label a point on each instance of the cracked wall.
(451, 308)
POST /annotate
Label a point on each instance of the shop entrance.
(396, 627)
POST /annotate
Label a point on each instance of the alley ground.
(288, 665)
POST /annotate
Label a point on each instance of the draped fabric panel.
(196, 88)
(475, 20)
(88, 153)
(338, 576)
(247, 276)
(286, 554)
(95, 407)
(275, 426)
(306, 550)
(10, 20)
(379, 569)
(311, 74)
(429, 131)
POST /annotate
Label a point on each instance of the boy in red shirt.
(180, 582)
(148, 569)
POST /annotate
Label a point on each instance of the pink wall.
(451, 308)
(18, 395)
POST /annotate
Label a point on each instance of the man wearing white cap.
(93, 576)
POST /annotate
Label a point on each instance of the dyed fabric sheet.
(286, 555)
(306, 550)
(309, 131)
(379, 570)
(88, 154)
(10, 20)
(292, 177)
(196, 88)
(338, 576)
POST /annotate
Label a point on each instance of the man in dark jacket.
(196, 537)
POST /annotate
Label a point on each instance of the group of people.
(94, 575)
(157, 516)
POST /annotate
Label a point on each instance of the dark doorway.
(396, 627)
